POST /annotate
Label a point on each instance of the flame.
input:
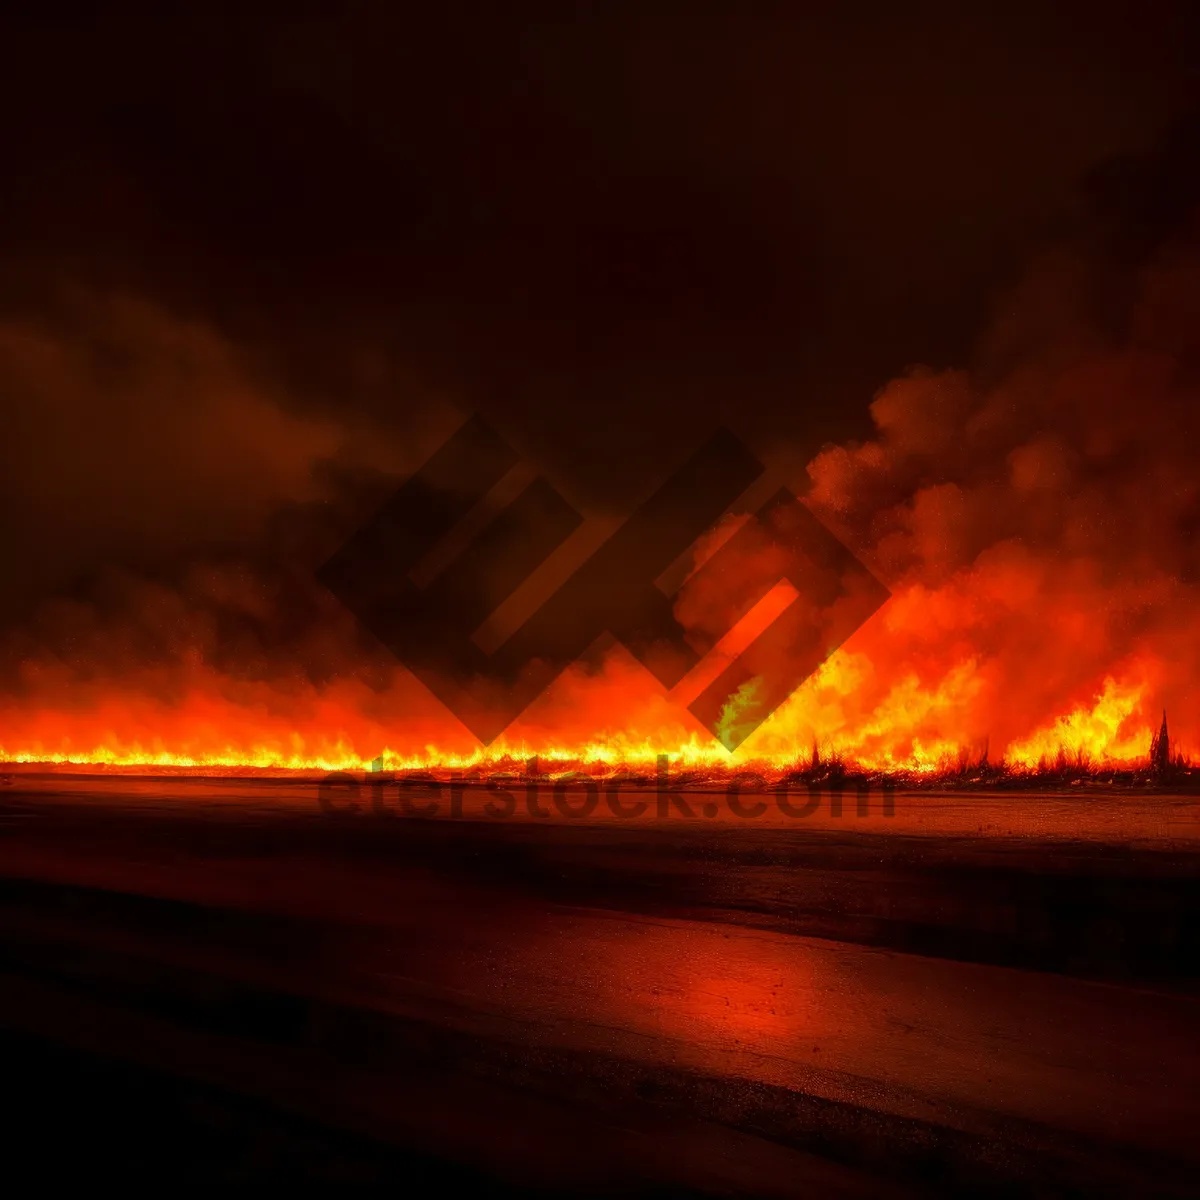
(1109, 730)
(909, 728)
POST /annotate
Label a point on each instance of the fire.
(932, 683)
(910, 730)
(1109, 730)
(1034, 525)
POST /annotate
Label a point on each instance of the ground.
(212, 982)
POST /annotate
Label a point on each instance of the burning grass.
(1066, 768)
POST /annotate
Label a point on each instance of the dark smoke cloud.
(601, 225)
(141, 437)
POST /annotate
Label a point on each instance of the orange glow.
(1036, 619)
(622, 720)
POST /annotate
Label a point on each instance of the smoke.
(1036, 518)
(1035, 514)
(165, 505)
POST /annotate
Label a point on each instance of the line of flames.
(1092, 740)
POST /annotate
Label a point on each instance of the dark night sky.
(606, 226)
